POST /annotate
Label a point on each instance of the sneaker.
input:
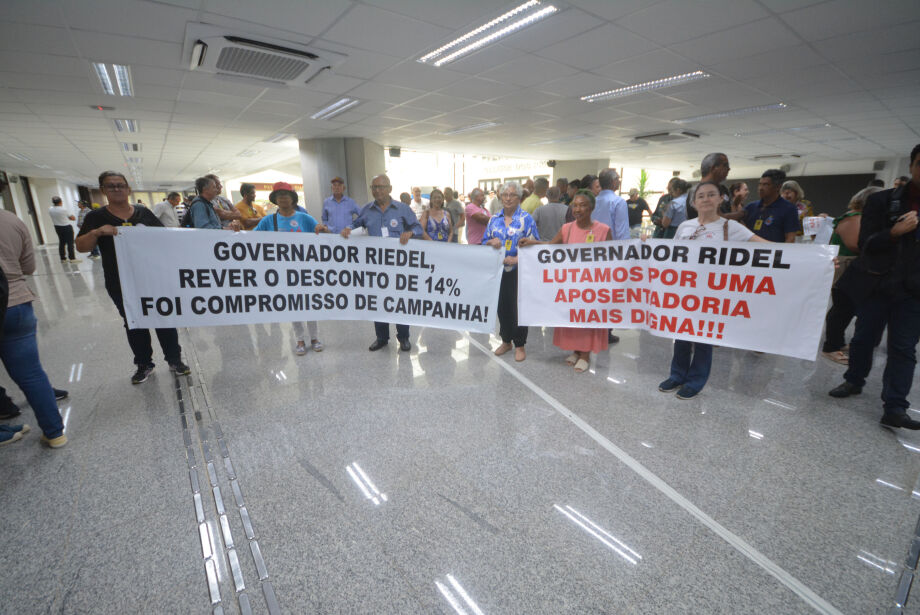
(141, 374)
(95, 257)
(58, 442)
(316, 345)
(76, 260)
(845, 390)
(612, 339)
(60, 394)
(8, 437)
(22, 429)
(180, 369)
(686, 392)
(8, 409)
(669, 386)
(301, 348)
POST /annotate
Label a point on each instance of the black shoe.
(899, 420)
(60, 394)
(141, 374)
(611, 338)
(669, 386)
(405, 346)
(687, 392)
(8, 409)
(378, 344)
(845, 390)
(180, 368)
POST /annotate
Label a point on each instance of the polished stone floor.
(443, 480)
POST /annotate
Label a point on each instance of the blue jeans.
(691, 364)
(903, 318)
(19, 353)
(382, 329)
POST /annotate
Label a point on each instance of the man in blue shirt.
(201, 212)
(611, 209)
(339, 210)
(384, 217)
(772, 217)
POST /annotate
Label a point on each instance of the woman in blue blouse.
(435, 220)
(504, 231)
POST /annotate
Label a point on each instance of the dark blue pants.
(691, 364)
(903, 318)
(382, 329)
(19, 353)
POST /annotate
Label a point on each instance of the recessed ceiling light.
(131, 147)
(123, 78)
(777, 131)
(657, 84)
(17, 156)
(561, 140)
(471, 128)
(43, 166)
(335, 108)
(103, 74)
(278, 137)
(519, 17)
(733, 112)
(127, 125)
(134, 160)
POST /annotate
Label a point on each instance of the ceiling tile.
(372, 29)
(597, 47)
(674, 21)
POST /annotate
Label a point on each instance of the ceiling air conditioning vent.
(666, 137)
(233, 54)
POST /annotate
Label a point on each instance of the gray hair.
(608, 178)
(858, 200)
(512, 185)
(554, 194)
(795, 187)
(475, 190)
(710, 161)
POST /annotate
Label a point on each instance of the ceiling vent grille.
(231, 54)
(666, 137)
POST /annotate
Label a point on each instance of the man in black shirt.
(636, 205)
(98, 228)
(888, 282)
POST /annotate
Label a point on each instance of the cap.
(337, 180)
(282, 187)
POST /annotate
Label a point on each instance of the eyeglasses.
(115, 186)
(509, 195)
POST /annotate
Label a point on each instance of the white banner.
(758, 296)
(190, 278)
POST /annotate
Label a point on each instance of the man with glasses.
(224, 209)
(99, 227)
(339, 210)
(384, 217)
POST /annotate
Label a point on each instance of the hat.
(282, 187)
(337, 180)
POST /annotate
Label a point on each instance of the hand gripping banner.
(770, 297)
(191, 278)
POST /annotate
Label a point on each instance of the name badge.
(507, 245)
(589, 238)
(440, 237)
(384, 231)
(758, 224)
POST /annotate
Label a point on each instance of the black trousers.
(507, 310)
(139, 339)
(65, 239)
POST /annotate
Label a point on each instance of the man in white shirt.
(418, 204)
(61, 219)
(166, 210)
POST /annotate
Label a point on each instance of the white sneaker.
(316, 345)
(76, 260)
(301, 348)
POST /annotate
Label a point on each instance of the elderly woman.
(505, 230)
(792, 192)
(581, 341)
(435, 220)
(692, 360)
(846, 235)
(676, 212)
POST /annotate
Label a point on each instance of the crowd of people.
(877, 280)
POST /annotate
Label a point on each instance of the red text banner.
(759, 296)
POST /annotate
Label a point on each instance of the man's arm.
(27, 255)
(620, 217)
(223, 214)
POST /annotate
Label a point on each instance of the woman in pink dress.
(581, 341)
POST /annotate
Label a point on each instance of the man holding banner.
(384, 217)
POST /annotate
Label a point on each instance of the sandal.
(837, 356)
(581, 366)
(572, 359)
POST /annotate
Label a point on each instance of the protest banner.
(769, 297)
(189, 278)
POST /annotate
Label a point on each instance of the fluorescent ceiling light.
(733, 112)
(19, 157)
(657, 84)
(519, 17)
(104, 80)
(123, 77)
(471, 128)
(131, 147)
(778, 131)
(43, 166)
(561, 140)
(278, 137)
(335, 108)
(127, 125)
(134, 160)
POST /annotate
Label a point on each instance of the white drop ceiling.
(851, 64)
